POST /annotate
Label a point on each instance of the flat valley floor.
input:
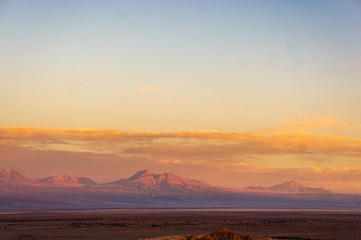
(135, 224)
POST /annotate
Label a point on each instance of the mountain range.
(146, 181)
(148, 190)
(291, 187)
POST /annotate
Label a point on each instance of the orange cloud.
(186, 143)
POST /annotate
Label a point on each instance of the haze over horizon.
(235, 93)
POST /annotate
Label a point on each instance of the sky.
(234, 93)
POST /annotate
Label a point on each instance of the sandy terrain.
(136, 224)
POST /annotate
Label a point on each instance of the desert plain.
(134, 224)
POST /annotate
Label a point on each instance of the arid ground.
(135, 224)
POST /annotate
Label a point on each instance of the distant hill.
(146, 181)
(290, 187)
(67, 180)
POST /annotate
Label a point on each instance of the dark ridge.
(226, 234)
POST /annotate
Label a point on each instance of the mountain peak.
(13, 177)
(144, 172)
(146, 181)
(141, 174)
(67, 180)
(289, 184)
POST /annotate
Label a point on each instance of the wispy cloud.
(314, 121)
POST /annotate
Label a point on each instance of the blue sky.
(212, 59)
